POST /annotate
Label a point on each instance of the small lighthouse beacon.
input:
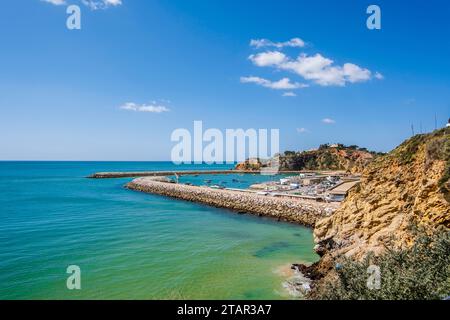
(448, 124)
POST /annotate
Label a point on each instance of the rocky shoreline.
(299, 211)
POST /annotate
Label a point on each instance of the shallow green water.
(131, 245)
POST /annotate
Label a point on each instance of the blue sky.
(173, 62)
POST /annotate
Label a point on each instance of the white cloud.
(101, 4)
(353, 73)
(282, 84)
(92, 4)
(113, 2)
(269, 58)
(293, 43)
(316, 68)
(153, 107)
(289, 94)
(379, 76)
(302, 130)
(55, 2)
(328, 121)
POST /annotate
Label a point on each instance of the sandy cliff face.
(328, 158)
(411, 183)
(249, 165)
(354, 161)
(324, 158)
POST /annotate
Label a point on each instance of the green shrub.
(420, 272)
(407, 151)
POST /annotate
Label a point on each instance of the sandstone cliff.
(326, 157)
(410, 184)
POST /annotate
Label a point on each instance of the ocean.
(130, 245)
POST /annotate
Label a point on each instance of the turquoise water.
(131, 245)
(239, 181)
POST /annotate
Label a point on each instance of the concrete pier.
(107, 175)
(136, 174)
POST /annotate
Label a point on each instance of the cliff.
(327, 157)
(408, 185)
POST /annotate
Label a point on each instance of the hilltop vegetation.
(437, 149)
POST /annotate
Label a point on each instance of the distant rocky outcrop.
(253, 164)
(327, 157)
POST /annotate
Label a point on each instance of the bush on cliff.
(419, 272)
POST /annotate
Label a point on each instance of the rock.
(298, 285)
(327, 157)
(407, 185)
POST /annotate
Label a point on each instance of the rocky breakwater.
(110, 175)
(283, 209)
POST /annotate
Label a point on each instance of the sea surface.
(131, 245)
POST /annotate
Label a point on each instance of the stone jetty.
(136, 174)
(300, 211)
(108, 175)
